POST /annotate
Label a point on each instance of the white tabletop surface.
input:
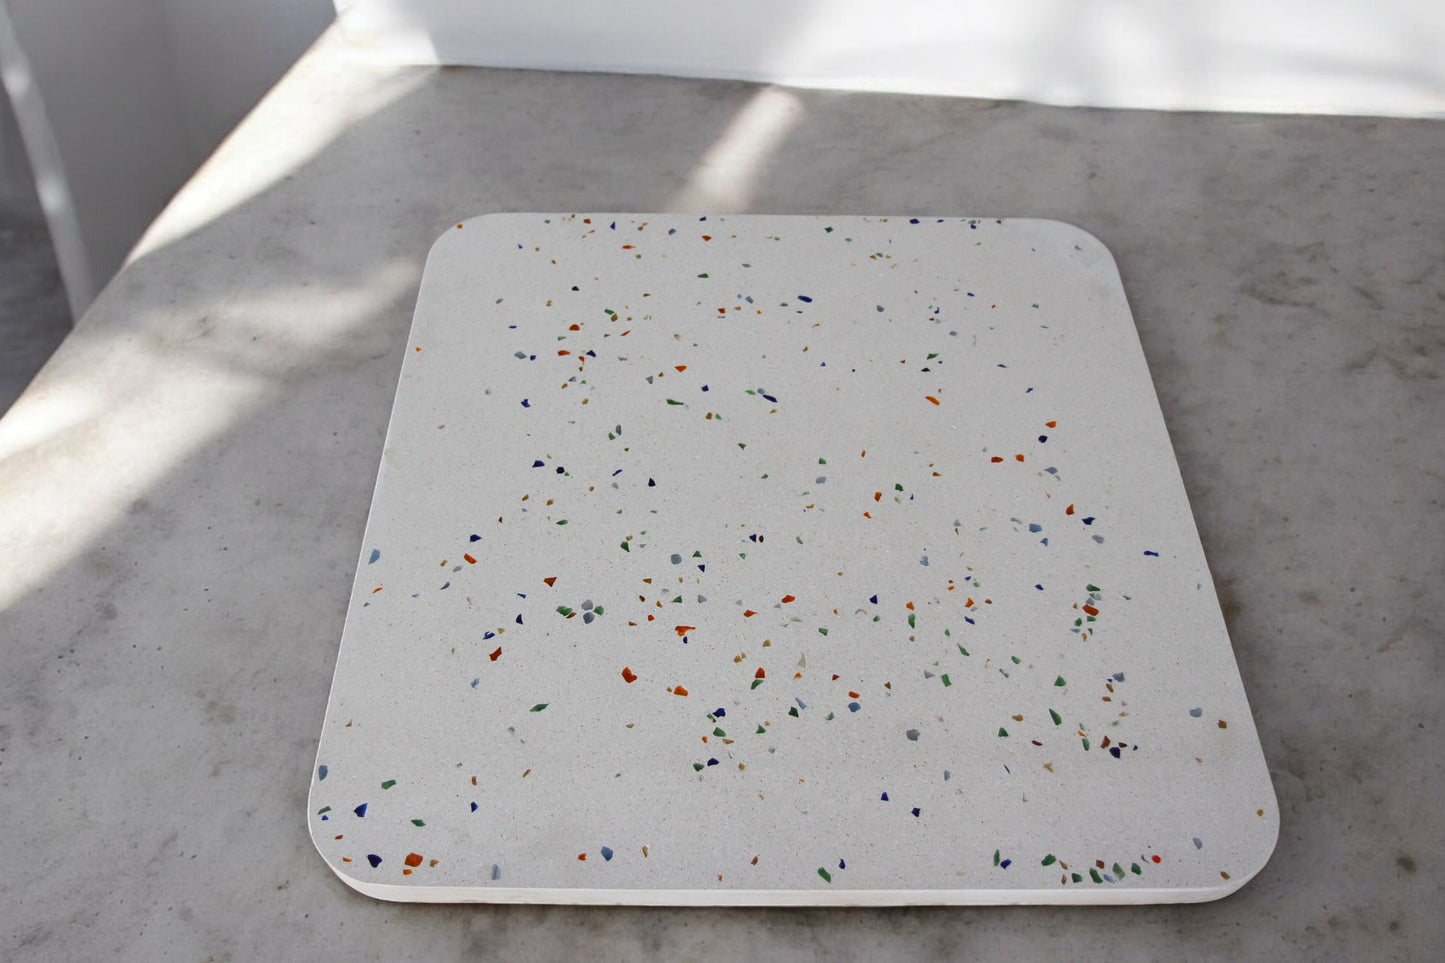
(185, 489)
(783, 560)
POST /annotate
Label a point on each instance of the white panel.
(120, 100)
(1346, 56)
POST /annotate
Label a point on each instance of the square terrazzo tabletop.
(783, 560)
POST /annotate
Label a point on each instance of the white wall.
(98, 74)
(227, 53)
(118, 101)
(1383, 57)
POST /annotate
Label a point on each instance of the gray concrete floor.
(183, 492)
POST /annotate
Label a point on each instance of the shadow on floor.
(34, 318)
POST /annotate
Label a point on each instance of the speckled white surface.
(186, 484)
(783, 560)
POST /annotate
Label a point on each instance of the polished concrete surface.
(183, 490)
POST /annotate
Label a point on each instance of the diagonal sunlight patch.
(127, 400)
(267, 145)
(386, 31)
(727, 176)
(135, 403)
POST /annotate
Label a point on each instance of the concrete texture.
(183, 491)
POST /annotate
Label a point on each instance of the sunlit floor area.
(183, 491)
